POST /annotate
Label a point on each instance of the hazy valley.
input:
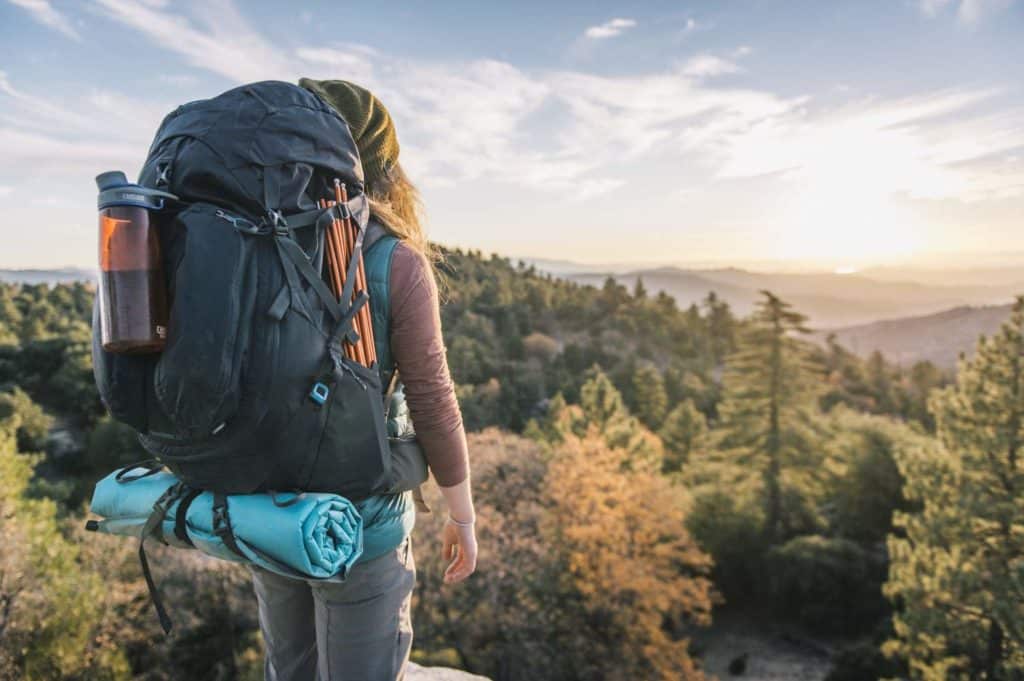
(907, 314)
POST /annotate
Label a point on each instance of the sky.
(817, 135)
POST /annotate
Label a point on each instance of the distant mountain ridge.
(61, 275)
(828, 299)
(938, 338)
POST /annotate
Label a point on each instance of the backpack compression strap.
(153, 527)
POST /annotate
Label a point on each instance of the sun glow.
(853, 178)
(831, 218)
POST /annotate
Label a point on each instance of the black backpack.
(252, 390)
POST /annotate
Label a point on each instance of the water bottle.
(132, 289)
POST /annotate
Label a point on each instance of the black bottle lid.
(116, 190)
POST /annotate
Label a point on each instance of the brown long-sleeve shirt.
(418, 349)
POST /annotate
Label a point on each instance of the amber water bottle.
(132, 289)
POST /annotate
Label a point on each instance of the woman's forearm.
(460, 501)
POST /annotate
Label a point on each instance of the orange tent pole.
(365, 322)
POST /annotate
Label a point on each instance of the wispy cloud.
(45, 13)
(355, 62)
(217, 37)
(565, 131)
(707, 65)
(926, 147)
(969, 12)
(609, 29)
(42, 136)
(37, 111)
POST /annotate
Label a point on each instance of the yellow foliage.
(621, 533)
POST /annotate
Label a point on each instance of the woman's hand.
(458, 545)
(458, 538)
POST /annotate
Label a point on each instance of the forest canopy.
(639, 469)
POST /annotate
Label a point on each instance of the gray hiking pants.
(359, 629)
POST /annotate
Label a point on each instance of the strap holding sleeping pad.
(183, 495)
(222, 525)
(154, 525)
(154, 528)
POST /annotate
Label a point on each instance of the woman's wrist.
(459, 500)
(461, 523)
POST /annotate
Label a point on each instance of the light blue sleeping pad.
(316, 535)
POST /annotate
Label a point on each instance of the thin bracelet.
(461, 523)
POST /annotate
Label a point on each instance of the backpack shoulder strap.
(374, 233)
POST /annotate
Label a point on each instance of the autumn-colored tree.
(957, 564)
(585, 568)
(501, 622)
(620, 536)
(767, 434)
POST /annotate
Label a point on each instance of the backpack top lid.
(269, 137)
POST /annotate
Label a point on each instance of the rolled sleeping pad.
(312, 535)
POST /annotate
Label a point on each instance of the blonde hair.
(396, 203)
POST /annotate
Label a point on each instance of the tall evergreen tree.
(879, 379)
(685, 429)
(957, 570)
(721, 326)
(602, 411)
(650, 401)
(639, 290)
(767, 427)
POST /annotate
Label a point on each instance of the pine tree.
(767, 430)
(639, 290)
(601, 410)
(650, 401)
(880, 382)
(957, 565)
(685, 429)
(10, 317)
(721, 326)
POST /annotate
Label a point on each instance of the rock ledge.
(418, 673)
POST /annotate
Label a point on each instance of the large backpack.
(229, 405)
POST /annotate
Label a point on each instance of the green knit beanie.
(368, 120)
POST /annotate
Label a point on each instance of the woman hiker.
(361, 628)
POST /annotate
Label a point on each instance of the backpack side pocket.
(199, 375)
(353, 458)
(121, 380)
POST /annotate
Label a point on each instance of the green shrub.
(830, 585)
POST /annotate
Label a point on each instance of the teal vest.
(387, 519)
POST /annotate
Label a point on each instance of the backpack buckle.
(342, 210)
(319, 393)
(241, 224)
(221, 524)
(278, 222)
